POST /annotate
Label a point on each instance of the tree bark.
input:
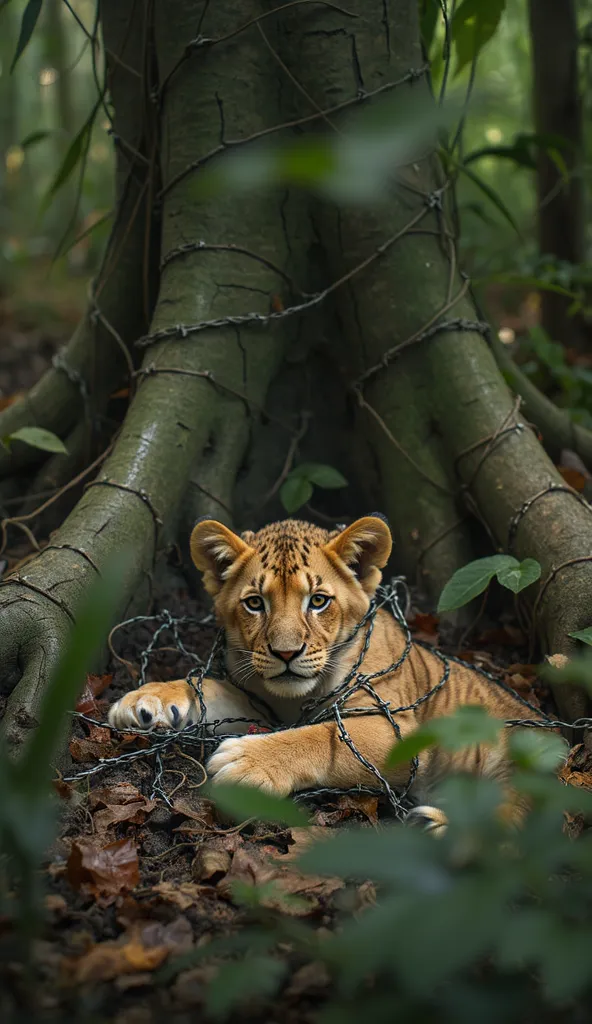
(557, 111)
(197, 390)
(442, 399)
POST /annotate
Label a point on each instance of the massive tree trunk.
(558, 112)
(433, 426)
(196, 387)
(443, 424)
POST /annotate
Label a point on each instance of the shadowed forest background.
(259, 261)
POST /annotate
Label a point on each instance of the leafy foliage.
(473, 25)
(27, 814)
(298, 486)
(75, 155)
(469, 724)
(472, 579)
(480, 924)
(37, 437)
(585, 635)
(29, 20)
(243, 802)
(354, 165)
(547, 361)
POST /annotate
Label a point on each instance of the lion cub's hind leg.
(431, 818)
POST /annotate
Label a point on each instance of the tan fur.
(282, 566)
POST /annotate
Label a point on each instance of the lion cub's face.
(290, 595)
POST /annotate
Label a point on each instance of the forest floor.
(143, 869)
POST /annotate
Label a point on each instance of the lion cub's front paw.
(250, 761)
(155, 706)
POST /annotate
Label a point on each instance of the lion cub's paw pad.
(154, 706)
(432, 819)
(243, 760)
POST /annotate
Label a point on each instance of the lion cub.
(290, 598)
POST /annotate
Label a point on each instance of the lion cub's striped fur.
(289, 598)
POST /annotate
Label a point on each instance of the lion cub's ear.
(364, 547)
(214, 550)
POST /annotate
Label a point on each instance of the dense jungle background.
(305, 259)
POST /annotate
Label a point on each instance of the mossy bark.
(444, 397)
(176, 420)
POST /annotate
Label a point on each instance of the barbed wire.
(332, 706)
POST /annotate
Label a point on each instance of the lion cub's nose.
(287, 655)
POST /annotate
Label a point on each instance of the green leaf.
(524, 281)
(34, 137)
(322, 476)
(355, 165)
(74, 155)
(242, 802)
(405, 750)
(585, 635)
(468, 725)
(66, 245)
(473, 25)
(471, 580)
(393, 854)
(537, 749)
(38, 437)
(522, 150)
(493, 196)
(254, 976)
(516, 578)
(28, 22)
(295, 492)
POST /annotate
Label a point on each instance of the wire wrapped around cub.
(332, 706)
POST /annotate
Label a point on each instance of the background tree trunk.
(440, 408)
(558, 111)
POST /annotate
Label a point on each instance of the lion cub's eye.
(254, 603)
(319, 601)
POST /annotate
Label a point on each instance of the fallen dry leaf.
(103, 870)
(97, 744)
(182, 895)
(507, 636)
(144, 948)
(523, 686)
(55, 904)
(302, 838)
(120, 802)
(209, 864)
(424, 626)
(577, 770)
(557, 660)
(7, 400)
(93, 688)
(309, 980)
(197, 809)
(250, 867)
(349, 805)
(530, 671)
(573, 477)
